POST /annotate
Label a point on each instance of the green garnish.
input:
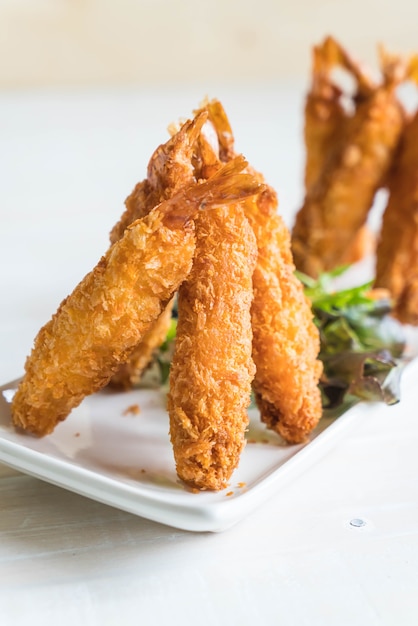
(165, 353)
(361, 344)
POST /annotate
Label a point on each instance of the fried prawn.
(397, 249)
(325, 125)
(349, 156)
(169, 169)
(285, 338)
(212, 368)
(109, 312)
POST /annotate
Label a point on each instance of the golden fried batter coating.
(397, 250)
(212, 369)
(97, 326)
(285, 338)
(344, 174)
(129, 374)
(169, 169)
(108, 313)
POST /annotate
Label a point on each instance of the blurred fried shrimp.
(324, 116)
(348, 157)
(109, 312)
(325, 126)
(397, 249)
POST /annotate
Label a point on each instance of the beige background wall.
(102, 42)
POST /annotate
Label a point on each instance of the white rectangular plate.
(110, 454)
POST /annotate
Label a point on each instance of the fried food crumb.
(133, 409)
(76, 434)
(241, 485)
(230, 493)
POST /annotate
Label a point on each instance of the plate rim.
(185, 511)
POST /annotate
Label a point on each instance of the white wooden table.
(67, 163)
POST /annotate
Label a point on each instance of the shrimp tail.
(228, 185)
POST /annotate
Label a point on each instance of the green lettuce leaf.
(361, 344)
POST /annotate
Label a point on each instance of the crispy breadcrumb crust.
(97, 326)
(212, 368)
(286, 340)
(108, 313)
(169, 169)
(129, 374)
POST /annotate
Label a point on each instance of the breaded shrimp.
(129, 374)
(169, 169)
(108, 313)
(397, 250)
(325, 128)
(344, 175)
(285, 338)
(325, 116)
(212, 369)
